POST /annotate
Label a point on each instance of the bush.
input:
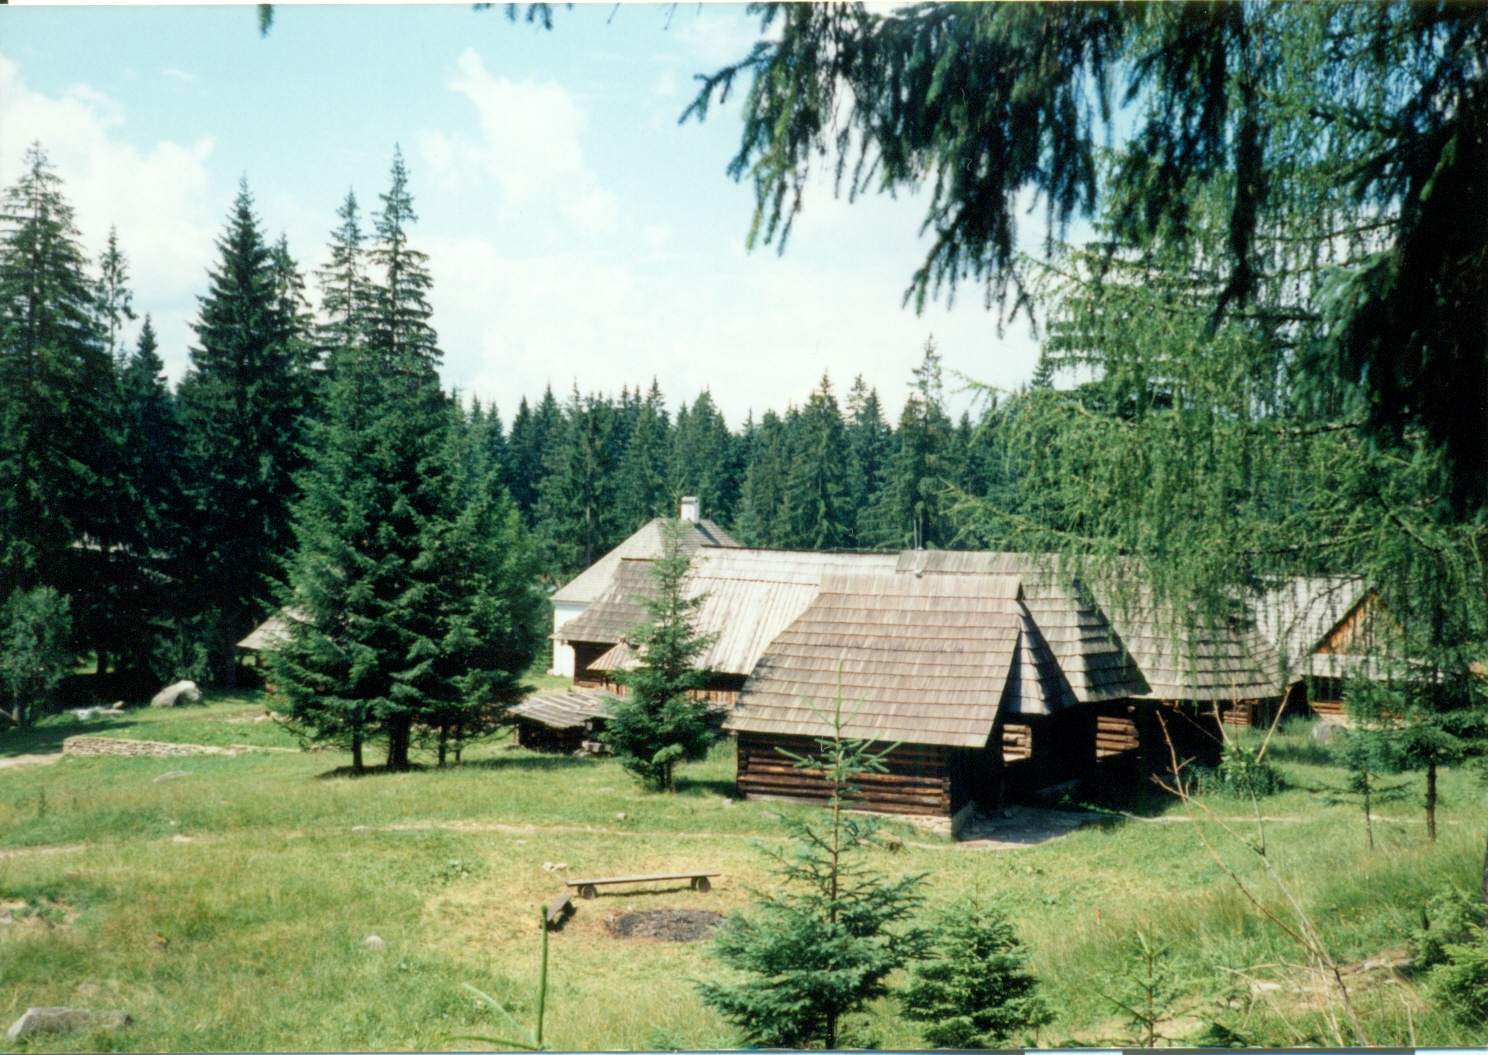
(1449, 918)
(975, 989)
(1242, 774)
(1460, 982)
(35, 653)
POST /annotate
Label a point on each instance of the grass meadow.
(222, 900)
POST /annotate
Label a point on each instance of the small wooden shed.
(566, 721)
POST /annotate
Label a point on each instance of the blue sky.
(576, 231)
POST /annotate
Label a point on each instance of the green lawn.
(224, 906)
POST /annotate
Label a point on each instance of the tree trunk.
(443, 743)
(356, 752)
(102, 657)
(1431, 800)
(398, 732)
(1485, 881)
(1368, 813)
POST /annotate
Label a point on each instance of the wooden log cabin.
(748, 597)
(952, 670)
(1199, 676)
(575, 597)
(1326, 630)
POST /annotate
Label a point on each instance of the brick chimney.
(691, 509)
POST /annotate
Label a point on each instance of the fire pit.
(664, 924)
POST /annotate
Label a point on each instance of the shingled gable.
(1087, 649)
(917, 660)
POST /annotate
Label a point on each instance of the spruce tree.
(151, 475)
(114, 297)
(762, 519)
(575, 513)
(658, 724)
(364, 652)
(345, 291)
(820, 946)
(974, 989)
(416, 419)
(532, 431)
(704, 462)
(643, 490)
(243, 406)
(55, 385)
(817, 502)
(869, 445)
(490, 614)
(913, 512)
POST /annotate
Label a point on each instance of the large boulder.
(64, 1020)
(180, 692)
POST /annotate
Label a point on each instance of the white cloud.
(757, 331)
(665, 86)
(157, 196)
(530, 146)
(177, 75)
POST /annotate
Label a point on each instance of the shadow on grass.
(348, 773)
(47, 739)
(540, 763)
(1308, 753)
(723, 788)
(629, 892)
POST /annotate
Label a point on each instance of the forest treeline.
(169, 519)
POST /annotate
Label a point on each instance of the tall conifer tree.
(817, 500)
(243, 405)
(644, 491)
(55, 384)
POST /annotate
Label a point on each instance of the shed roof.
(915, 660)
(563, 708)
(1095, 663)
(273, 630)
(646, 543)
(1298, 614)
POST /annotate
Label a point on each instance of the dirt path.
(29, 760)
(38, 851)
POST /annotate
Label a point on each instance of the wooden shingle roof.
(1297, 615)
(618, 610)
(273, 630)
(646, 544)
(1218, 662)
(1089, 652)
(564, 708)
(924, 660)
(749, 596)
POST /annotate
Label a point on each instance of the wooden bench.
(560, 910)
(588, 888)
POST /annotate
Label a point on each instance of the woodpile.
(1115, 735)
(1017, 742)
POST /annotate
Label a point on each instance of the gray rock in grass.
(174, 695)
(64, 1020)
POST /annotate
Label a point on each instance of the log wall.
(918, 780)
